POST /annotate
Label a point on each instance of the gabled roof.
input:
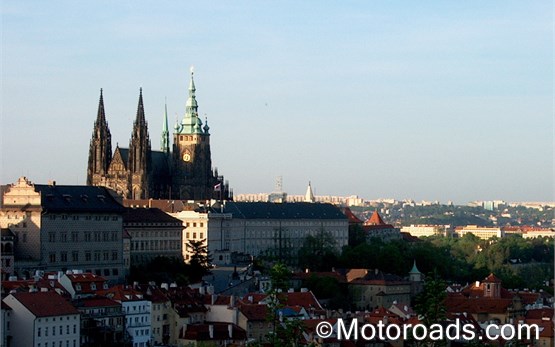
(88, 283)
(97, 301)
(492, 279)
(254, 312)
(7, 233)
(45, 304)
(353, 219)
(270, 210)
(59, 198)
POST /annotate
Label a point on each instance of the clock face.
(186, 157)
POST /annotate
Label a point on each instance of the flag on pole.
(218, 187)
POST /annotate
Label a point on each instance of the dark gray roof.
(270, 210)
(124, 152)
(148, 215)
(55, 198)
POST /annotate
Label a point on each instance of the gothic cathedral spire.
(100, 149)
(165, 143)
(139, 153)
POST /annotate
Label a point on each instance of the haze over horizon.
(427, 101)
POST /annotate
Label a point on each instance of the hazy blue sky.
(401, 99)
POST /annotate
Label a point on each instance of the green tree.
(200, 261)
(430, 303)
(318, 253)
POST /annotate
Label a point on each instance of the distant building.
(63, 227)
(277, 229)
(375, 227)
(484, 233)
(102, 322)
(421, 230)
(153, 233)
(43, 319)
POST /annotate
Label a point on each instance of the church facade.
(180, 171)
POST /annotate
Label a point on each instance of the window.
(194, 235)
(67, 329)
(115, 272)
(51, 237)
(106, 272)
(88, 256)
(106, 255)
(75, 256)
(114, 235)
(75, 217)
(63, 256)
(53, 331)
(106, 236)
(194, 224)
(187, 235)
(38, 332)
(201, 235)
(201, 224)
(63, 237)
(61, 331)
(87, 236)
(52, 257)
(114, 255)
(96, 255)
(74, 237)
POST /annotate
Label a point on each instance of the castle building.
(138, 172)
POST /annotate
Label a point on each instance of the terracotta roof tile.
(45, 304)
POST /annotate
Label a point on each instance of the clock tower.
(192, 166)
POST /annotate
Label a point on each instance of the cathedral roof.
(270, 210)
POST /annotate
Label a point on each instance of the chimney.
(230, 330)
(250, 298)
(213, 299)
(477, 283)
(201, 290)
(232, 301)
(211, 331)
(376, 271)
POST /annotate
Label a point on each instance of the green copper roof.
(414, 268)
(191, 123)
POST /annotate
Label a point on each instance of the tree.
(200, 261)
(318, 252)
(430, 303)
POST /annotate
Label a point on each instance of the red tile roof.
(45, 304)
(122, 293)
(375, 219)
(98, 302)
(201, 332)
(254, 312)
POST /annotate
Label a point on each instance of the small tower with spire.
(100, 149)
(415, 279)
(309, 196)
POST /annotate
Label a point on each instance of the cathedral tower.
(139, 155)
(100, 149)
(192, 165)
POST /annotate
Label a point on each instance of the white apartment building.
(43, 319)
(195, 229)
(422, 230)
(136, 309)
(279, 229)
(484, 233)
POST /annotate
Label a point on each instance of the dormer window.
(93, 286)
(78, 287)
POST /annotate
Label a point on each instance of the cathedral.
(138, 172)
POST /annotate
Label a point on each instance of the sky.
(423, 100)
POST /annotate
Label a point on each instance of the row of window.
(89, 256)
(60, 344)
(155, 245)
(97, 218)
(201, 224)
(61, 330)
(187, 235)
(88, 236)
(151, 234)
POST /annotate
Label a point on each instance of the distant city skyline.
(423, 101)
